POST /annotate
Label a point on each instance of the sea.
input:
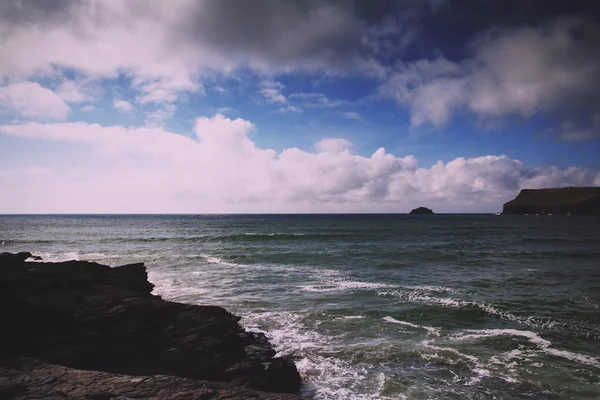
(374, 306)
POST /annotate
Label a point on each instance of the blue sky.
(283, 106)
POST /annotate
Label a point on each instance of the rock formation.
(421, 210)
(568, 200)
(30, 379)
(87, 316)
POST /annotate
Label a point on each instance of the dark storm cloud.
(491, 57)
(329, 34)
(271, 34)
(455, 22)
(322, 32)
(272, 31)
(551, 69)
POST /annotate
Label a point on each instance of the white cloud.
(221, 169)
(37, 171)
(122, 106)
(224, 110)
(88, 107)
(78, 91)
(160, 114)
(351, 115)
(31, 100)
(332, 145)
(274, 95)
(520, 71)
(165, 47)
(290, 108)
(317, 100)
(157, 96)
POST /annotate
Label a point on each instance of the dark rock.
(28, 379)
(569, 200)
(421, 210)
(90, 316)
(14, 258)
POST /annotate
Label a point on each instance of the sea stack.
(568, 200)
(422, 210)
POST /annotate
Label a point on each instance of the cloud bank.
(219, 168)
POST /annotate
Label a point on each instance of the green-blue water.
(375, 306)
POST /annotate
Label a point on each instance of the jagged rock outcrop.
(568, 200)
(30, 379)
(421, 210)
(89, 316)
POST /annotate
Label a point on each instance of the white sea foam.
(430, 329)
(70, 256)
(56, 257)
(277, 234)
(425, 297)
(480, 374)
(325, 377)
(543, 345)
(217, 260)
(339, 285)
(319, 288)
(480, 367)
(433, 288)
(429, 344)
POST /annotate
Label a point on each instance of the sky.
(285, 106)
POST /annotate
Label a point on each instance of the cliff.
(77, 315)
(573, 200)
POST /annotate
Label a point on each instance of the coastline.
(74, 316)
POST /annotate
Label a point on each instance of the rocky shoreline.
(78, 329)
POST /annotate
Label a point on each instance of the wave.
(340, 285)
(425, 296)
(220, 261)
(542, 344)
(108, 259)
(324, 377)
(55, 257)
(29, 241)
(238, 237)
(430, 329)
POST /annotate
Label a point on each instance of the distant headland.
(421, 210)
(553, 201)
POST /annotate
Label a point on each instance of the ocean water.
(375, 306)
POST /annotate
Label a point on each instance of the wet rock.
(14, 258)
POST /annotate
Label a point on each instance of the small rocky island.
(82, 330)
(421, 210)
(556, 201)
